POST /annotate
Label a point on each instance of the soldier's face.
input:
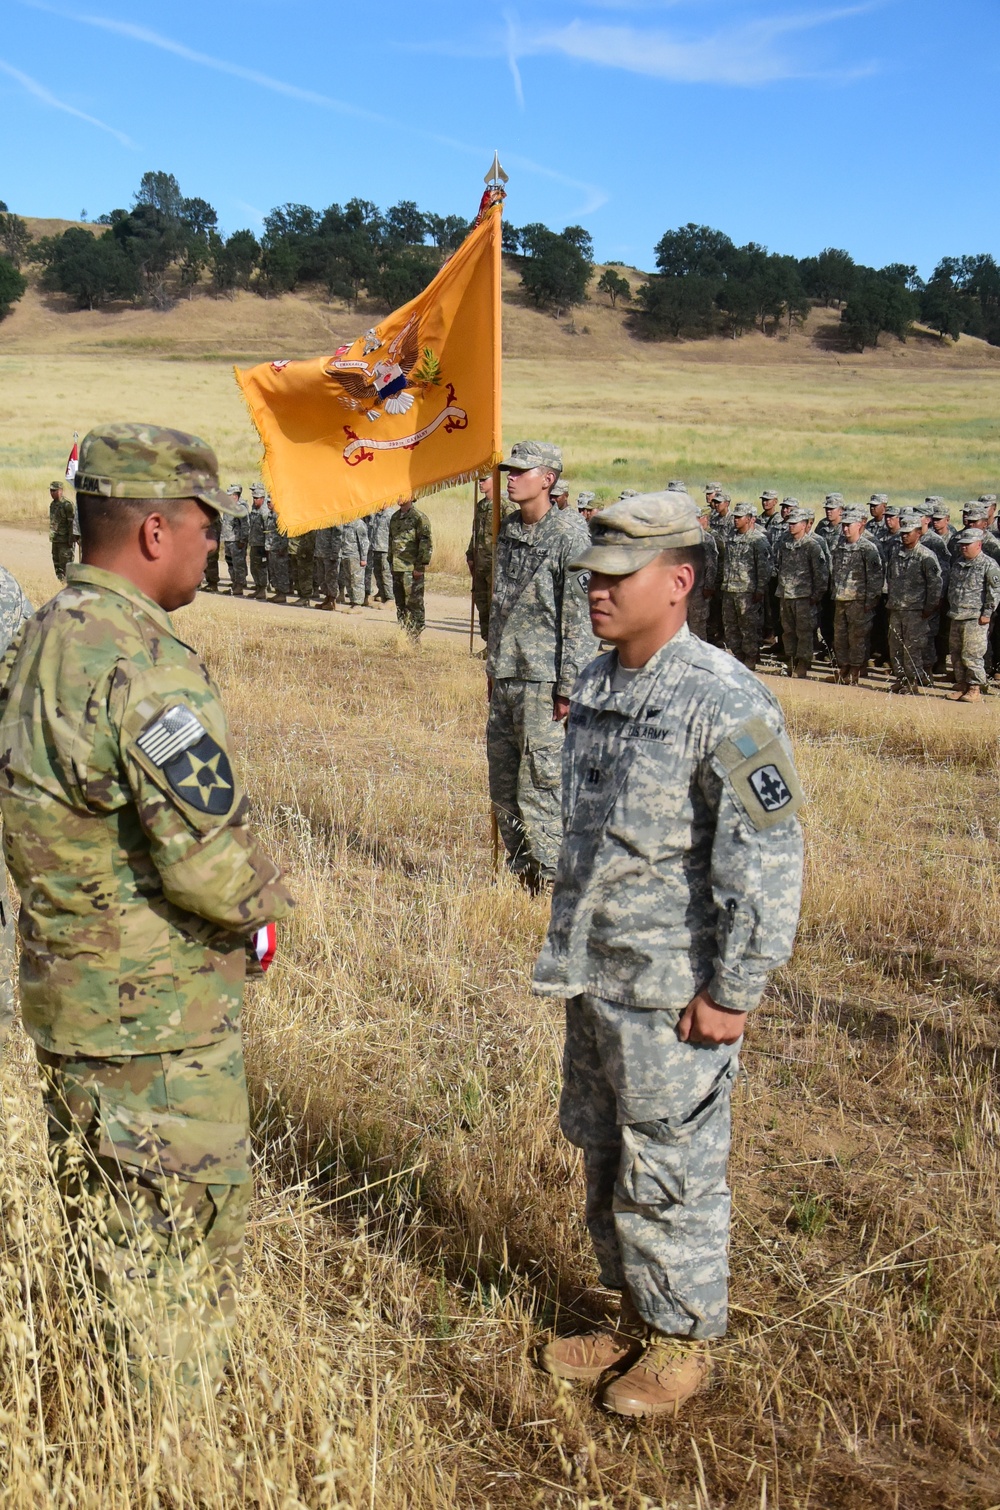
(743, 523)
(626, 608)
(852, 532)
(798, 529)
(910, 538)
(526, 487)
(971, 551)
(180, 549)
(486, 488)
(834, 516)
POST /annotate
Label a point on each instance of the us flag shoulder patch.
(170, 734)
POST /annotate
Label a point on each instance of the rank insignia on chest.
(594, 776)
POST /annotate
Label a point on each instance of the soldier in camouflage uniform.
(301, 555)
(410, 548)
(705, 589)
(973, 595)
(276, 545)
(677, 892)
(803, 573)
(353, 557)
(560, 495)
(856, 580)
(586, 506)
(913, 577)
(479, 556)
(379, 558)
(257, 539)
(326, 565)
(234, 536)
(60, 530)
(747, 569)
(125, 829)
(540, 639)
(15, 610)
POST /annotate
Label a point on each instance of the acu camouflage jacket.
(125, 829)
(681, 861)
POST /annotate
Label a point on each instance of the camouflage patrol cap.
(148, 461)
(741, 511)
(627, 493)
(909, 521)
(789, 503)
(712, 487)
(987, 498)
(721, 496)
(585, 500)
(853, 514)
(834, 499)
(56, 484)
(941, 511)
(769, 496)
(631, 533)
(526, 454)
(969, 537)
(234, 489)
(879, 498)
(258, 490)
(892, 510)
(974, 511)
(559, 489)
(799, 515)
(676, 486)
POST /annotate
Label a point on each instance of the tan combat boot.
(971, 695)
(670, 1371)
(588, 1355)
(958, 692)
(802, 669)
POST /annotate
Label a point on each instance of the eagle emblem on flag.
(383, 384)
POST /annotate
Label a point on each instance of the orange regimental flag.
(410, 406)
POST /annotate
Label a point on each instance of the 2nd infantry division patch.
(195, 766)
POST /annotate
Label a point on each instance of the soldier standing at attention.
(973, 594)
(353, 558)
(773, 526)
(914, 582)
(803, 570)
(746, 572)
(326, 561)
(856, 580)
(257, 539)
(276, 544)
(125, 829)
(301, 559)
(410, 548)
(540, 640)
(15, 609)
(704, 590)
(677, 892)
(560, 495)
(60, 530)
(379, 558)
(585, 506)
(234, 536)
(479, 556)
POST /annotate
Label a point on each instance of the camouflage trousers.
(697, 616)
(967, 647)
(8, 961)
(212, 568)
(352, 579)
(652, 1116)
(798, 628)
(326, 571)
(150, 1160)
(408, 594)
(62, 556)
(301, 555)
(378, 572)
(908, 644)
(852, 631)
(524, 746)
(743, 624)
(482, 595)
(258, 567)
(236, 562)
(277, 567)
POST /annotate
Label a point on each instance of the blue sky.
(795, 123)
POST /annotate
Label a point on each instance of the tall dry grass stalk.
(418, 1219)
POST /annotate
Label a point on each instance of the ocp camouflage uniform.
(276, 545)
(680, 870)
(914, 588)
(803, 575)
(326, 563)
(973, 593)
(746, 571)
(257, 538)
(480, 556)
(353, 552)
(410, 549)
(540, 639)
(856, 582)
(704, 591)
(301, 551)
(234, 537)
(126, 832)
(379, 557)
(15, 610)
(61, 535)
(938, 545)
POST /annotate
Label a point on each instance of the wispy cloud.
(746, 55)
(515, 71)
(55, 103)
(594, 196)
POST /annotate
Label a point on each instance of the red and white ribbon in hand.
(265, 942)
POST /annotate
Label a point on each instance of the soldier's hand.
(704, 1022)
(984, 618)
(418, 575)
(560, 708)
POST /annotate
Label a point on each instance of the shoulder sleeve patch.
(757, 767)
(174, 730)
(192, 762)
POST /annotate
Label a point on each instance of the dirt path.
(26, 554)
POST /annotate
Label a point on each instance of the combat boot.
(800, 669)
(260, 595)
(670, 1371)
(971, 695)
(958, 692)
(854, 675)
(302, 603)
(279, 597)
(841, 674)
(366, 602)
(588, 1355)
(327, 605)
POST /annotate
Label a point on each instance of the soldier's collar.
(630, 699)
(109, 581)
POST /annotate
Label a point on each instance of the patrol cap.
(892, 511)
(833, 500)
(559, 488)
(721, 496)
(631, 533)
(712, 487)
(57, 484)
(907, 522)
(257, 490)
(234, 489)
(804, 509)
(768, 495)
(676, 486)
(799, 515)
(975, 511)
(741, 511)
(941, 511)
(879, 498)
(148, 461)
(987, 498)
(969, 537)
(789, 503)
(927, 507)
(627, 493)
(585, 500)
(526, 454)
(853, 514)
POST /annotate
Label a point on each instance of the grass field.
(418, 1218)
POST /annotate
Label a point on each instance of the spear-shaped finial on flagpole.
(496, 174)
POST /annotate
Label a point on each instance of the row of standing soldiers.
(387, 551)
(890, 583)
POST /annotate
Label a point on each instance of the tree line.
(167, 245)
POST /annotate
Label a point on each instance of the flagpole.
(472, 574)
(495, 180)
